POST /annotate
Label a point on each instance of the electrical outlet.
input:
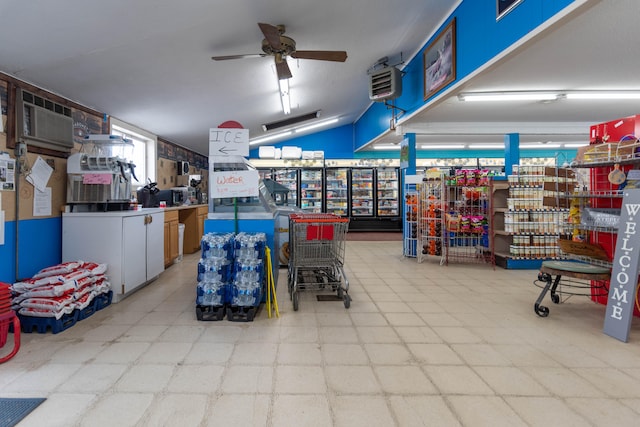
(21, 149)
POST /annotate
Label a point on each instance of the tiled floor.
(422, 344)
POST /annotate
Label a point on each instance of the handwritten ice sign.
(228, 142)
(234, 184)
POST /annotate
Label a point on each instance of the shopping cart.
(8, 318)
(316, 259)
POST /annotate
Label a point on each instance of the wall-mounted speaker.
(183, 168)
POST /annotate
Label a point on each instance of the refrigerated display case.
(288, 178)
(337, 191)
(311, 190)
(387, 193)
(362, 201)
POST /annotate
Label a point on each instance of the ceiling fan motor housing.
(287, 46)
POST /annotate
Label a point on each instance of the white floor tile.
(421, 344)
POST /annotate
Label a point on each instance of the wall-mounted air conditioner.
(43, 123)
(385, 84)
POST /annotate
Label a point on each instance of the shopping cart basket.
(8, 318)
(316, 259)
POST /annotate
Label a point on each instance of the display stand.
(467, 219)
(410, 224)
(431, 217)
(529, 211)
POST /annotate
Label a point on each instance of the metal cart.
(317, 243)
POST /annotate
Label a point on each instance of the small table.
(571, 269)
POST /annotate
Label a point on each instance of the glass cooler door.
(311, 190)
(337, 189)
(387, 192)
(288, 178)
(362, 203)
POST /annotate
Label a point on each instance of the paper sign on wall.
(234, 184)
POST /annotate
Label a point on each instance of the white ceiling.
(147, 62)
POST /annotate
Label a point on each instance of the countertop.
(179, 208)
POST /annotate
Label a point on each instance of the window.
(144, 151)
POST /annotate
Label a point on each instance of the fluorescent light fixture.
(317, 125)
(284, 96)
(386, 147)
(575, 144)
(269, 138)
(442, 146)
(496, 146)
(539, 145)
(549, 95)
(509, 96)
(596, 95)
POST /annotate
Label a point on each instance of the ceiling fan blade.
(272, 34)
(282, 68)
(322, 55)
(250, 55)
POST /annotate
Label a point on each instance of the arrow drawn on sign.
(225, 150)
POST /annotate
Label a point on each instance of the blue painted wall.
(40, 246)
(479, 38)
(337, 143)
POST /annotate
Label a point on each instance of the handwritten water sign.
(228, 142)
(234, 184)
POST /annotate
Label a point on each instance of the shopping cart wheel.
(340, 292)
(294, 298)
(347, 301)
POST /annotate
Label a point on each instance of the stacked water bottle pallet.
(230, 276)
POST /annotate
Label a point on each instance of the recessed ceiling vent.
(385, 84)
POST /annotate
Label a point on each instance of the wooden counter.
(192, 217)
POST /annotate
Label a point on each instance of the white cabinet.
(131, 243)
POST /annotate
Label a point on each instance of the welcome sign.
(624, 275)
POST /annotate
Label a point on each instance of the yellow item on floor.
(271, 286)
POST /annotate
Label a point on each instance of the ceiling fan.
(279, 46)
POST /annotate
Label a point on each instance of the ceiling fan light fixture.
(284, 96)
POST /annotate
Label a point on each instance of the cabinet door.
(167, 243)
(134, 242)
(174, 240)
(155, 245)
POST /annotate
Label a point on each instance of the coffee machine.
(194, 191)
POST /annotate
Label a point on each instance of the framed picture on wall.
(505, 6)
(439, 60)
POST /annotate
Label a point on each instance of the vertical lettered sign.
(624, 274)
